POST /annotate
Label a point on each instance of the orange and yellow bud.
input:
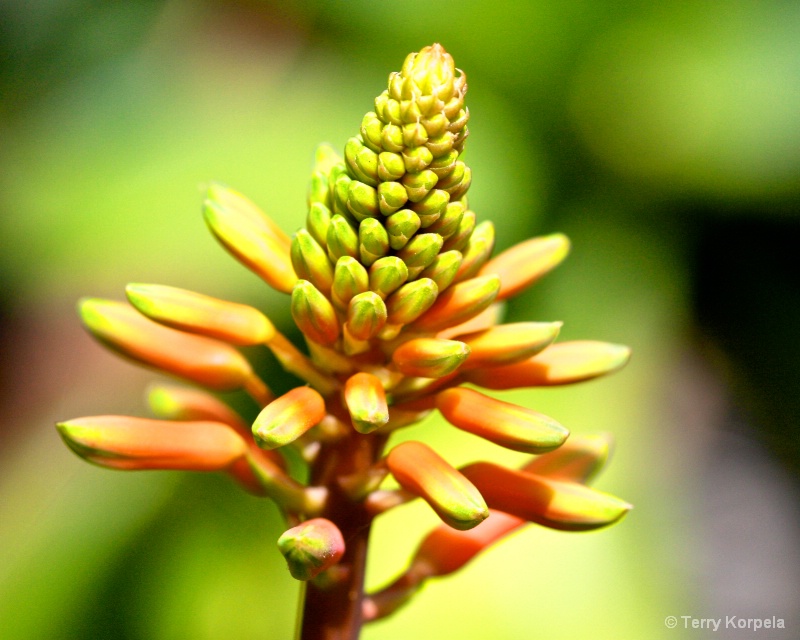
(170, 402)
(560, 363)
(198, 313)
(287, 418)
(366, 315)
(250, 237)
(311, 547)
(430, 357)
(579, 459)
(420, 470)
(567, 506)
(477, 252)
(508, 343)
(459, 303)
(411, 300)
(524, 263)
(445, 550)
(202, 360)
(122, 442)
(314, 314)
(503, 423)
(365, 400)
(310, 261)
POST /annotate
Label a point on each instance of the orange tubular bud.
(122, 442)
(567, 506)
(202, 360)
(509, 343)
(579, 459)
(287, 418)
(503, 423)
(366, 402)
(430, 357)
(445, 550)
(420, 470)
(560, 363)
(458, 303)
(170, 402)
(311, 547)
(523, 264)
(250, 237)
(197, 313)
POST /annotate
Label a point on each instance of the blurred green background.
(663, 138)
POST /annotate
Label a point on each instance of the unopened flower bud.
(365, 399)
(524, 263)
(477, 252)
(459, 303)
(391, 197)
(418, 185)
(560, 363)
(314, 314)
(311, 547)
(349, 279)
(443, 269)
(579, 459)
(387, 275)
(361, 161)
(198, 313)
(509, 343)
(411, 300)
(366, 315)
(170, 402)
(202, 360)
(252, 242)
(461, 235)
(317, 222)
(567, 506)
(503, 423)
(287, 418)
(373, 241)
(401, 226)
(310, 260)
(420, 470)
(342, 239)
(430, 357)
(431, 207)
(122, 442)
(362, 200)
(420, 252)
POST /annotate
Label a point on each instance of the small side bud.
(420, 470)
(366, 402)
(122, 442)
(287, 418)
(503, 423)
(311, 547)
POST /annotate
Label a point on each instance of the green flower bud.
(325, 158)
(318, 189)
(414, 134)
(419, 184)
(460, 120)
(478, 250)
(373, 241)
(443, 166)
(392, 138)
(401, 226)
(310, 261)
(417, 159)
(441, 144)
(460, 303)
(454, 178)
(314, 314)
(459, 190)
(435, 124)
(365, 399)
(371, 128)
(411, 300)
(349, 279)
(420, 252)
(339, 184)
(366, 315)
(460, 238)
(318, 220)
(431, 207)
(390, 166)
(342, 239)
(391, 197)
(311, 547)
(387, 275)
(443, 269)
(362, 200)
(447, 223)
(362, 162)
(430, 357)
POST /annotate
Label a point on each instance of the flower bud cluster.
(396, 293)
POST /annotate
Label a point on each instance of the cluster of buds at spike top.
(395, 290)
